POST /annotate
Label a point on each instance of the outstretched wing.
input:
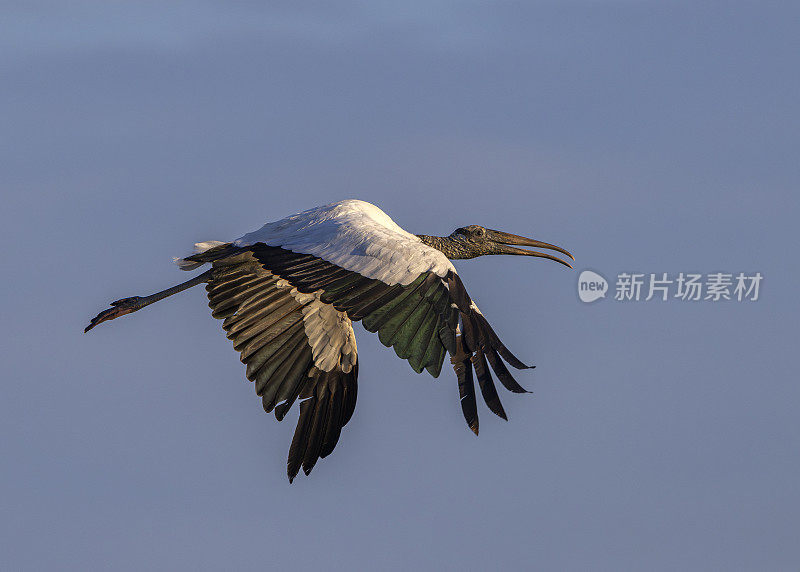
(294, 346)
(422, 320)
(353, 257)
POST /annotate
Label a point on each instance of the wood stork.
(289, 292)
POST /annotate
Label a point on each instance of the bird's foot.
(119, 308)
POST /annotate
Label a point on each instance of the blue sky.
(642, 136)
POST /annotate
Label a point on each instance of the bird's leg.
(134, 303)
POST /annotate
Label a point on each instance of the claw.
(119, 308)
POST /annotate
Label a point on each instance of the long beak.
(505, 238)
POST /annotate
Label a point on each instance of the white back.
(357, 236)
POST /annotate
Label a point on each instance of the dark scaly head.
(474, 240)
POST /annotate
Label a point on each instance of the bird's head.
(475, 240)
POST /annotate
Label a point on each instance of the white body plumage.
(354, 235)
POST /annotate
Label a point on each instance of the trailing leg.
(134, 303)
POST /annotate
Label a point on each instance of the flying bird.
(289, 292)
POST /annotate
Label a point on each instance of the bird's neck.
(450, 247)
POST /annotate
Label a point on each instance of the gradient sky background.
(643, 136)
